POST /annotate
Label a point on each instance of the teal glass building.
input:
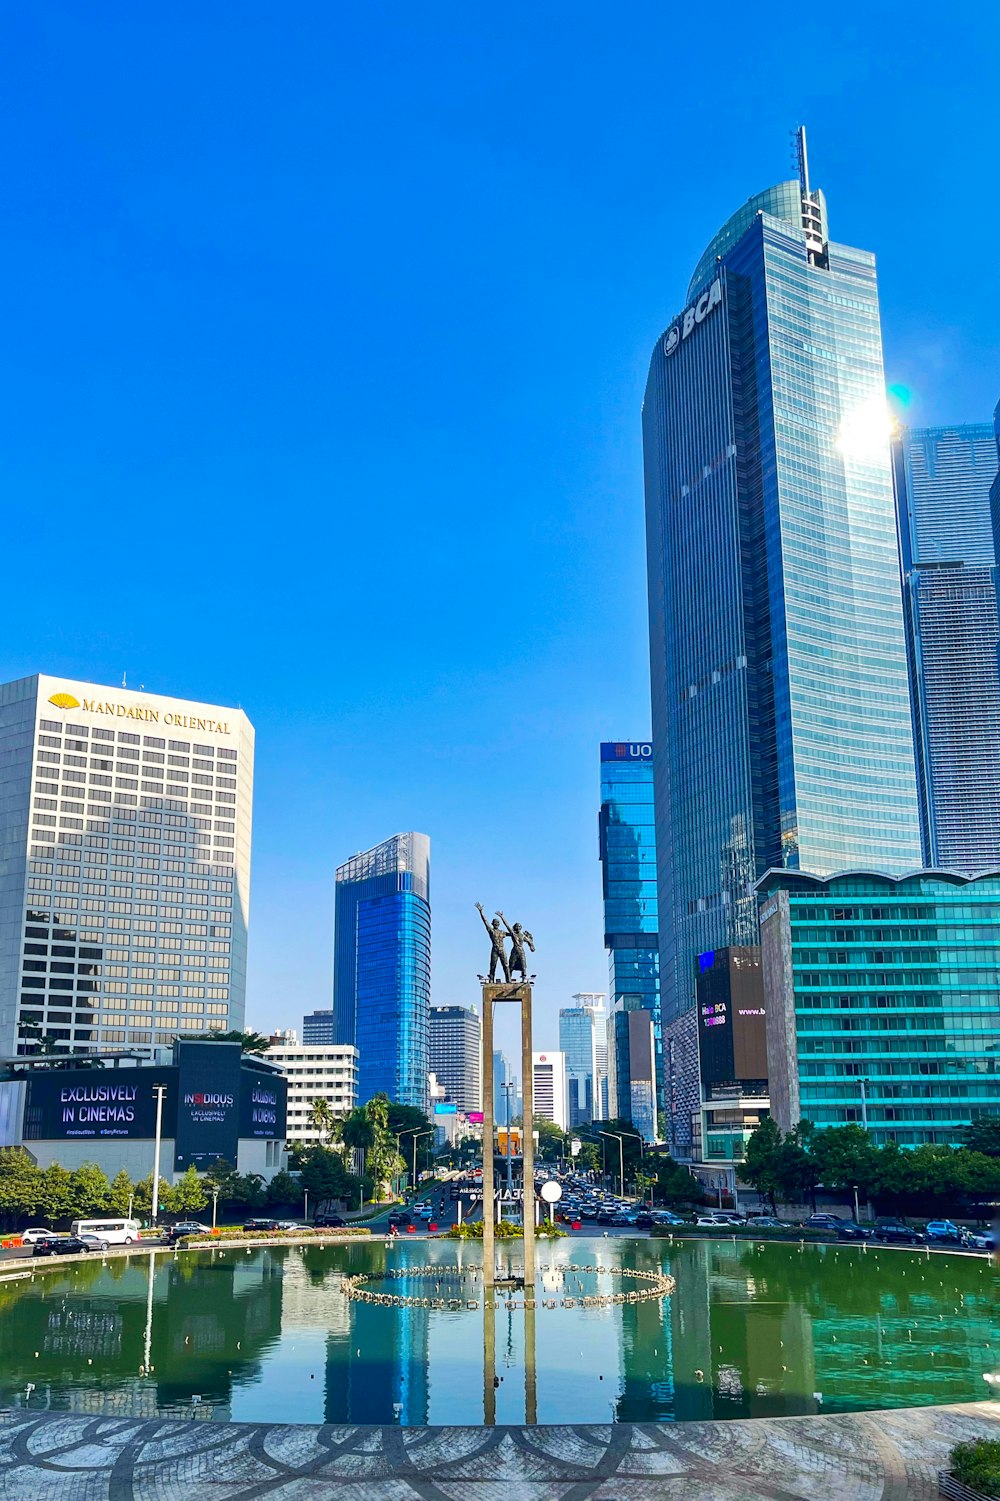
(942, 478)
(382, 967)
(627, 842)
(780, 697)
(882, 1000)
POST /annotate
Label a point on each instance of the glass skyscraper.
(882, 1000)
(780, 697)
(943, 477)
(382, 967)
(578, 1044)
(628, 869)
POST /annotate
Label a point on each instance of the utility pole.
(159, 1090)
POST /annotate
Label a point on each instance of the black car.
(644, 1222)
(261, 1225)
(400, 1217)
(837, 1225)
(329, 1222)
(897, 1233)
(61, 1245)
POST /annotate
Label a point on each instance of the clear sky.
(325, 330)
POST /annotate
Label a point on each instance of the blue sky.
(325, 330)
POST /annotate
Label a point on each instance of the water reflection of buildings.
(200, 1327)
(377, 1372)
(646, 1352)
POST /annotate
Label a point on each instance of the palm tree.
(250, 1042)
(320, 1118)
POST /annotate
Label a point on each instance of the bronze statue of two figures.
(500, 930)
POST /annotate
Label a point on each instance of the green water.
(750, 1331)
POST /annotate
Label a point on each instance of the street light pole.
(159, 1090)
(215, 1207)
(613, 1136)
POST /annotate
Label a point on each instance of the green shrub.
(977, 1465)
(225, 1236)
(503, 1231)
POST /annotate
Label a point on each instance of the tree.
(588, 1159)
(284, 1189)
(553, 1141)
(983, 1135)
(250, 1190)
(56, 1200)
(845, 1159)
(407, 1122)
(20, 1185)
(121, 1195)
(188, 1195)
(672, 1184)
(325, 1177)
(250, 1042)
(89, 1191)
(630, 1155)
(760, 1162)
(144, 1196)
(320, 1118)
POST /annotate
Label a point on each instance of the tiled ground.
(860, 1457)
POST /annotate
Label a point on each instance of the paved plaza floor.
(855, 1457)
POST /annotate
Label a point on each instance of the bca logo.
(692, 316)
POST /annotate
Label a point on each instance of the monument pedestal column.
(516, 994)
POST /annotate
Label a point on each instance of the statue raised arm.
(498, 954)
(518, 938)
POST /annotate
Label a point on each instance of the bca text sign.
(692, 316)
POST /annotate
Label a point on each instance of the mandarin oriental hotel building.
(124, 867)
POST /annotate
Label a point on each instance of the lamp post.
(159, 1090)
(510, 1166)
(215, 1206)
(613, 1136)
(642, 1146)
(416, 1133)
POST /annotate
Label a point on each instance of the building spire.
(812, 221)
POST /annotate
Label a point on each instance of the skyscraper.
(943, 477)
(318, 1028)
(578, 1044)
(593, 1001)
(382, 966)
(549, 1081)
(627, 842)
(780, 696)
(124, 866)
(456, 1048)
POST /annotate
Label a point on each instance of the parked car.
(329, 1222)
(61, 1245)
(37, 1232)
(187, 1227)
(898, 1233)
(836, 1224)
(261, 1225)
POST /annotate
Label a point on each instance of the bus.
(115, 1232)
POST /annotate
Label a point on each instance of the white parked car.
(36, 1232)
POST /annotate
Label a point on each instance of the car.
(290, 1225)
(836, 1224)
(187, 1227)
(329, 1222)
(644, 1220)
(618, 1219)
(667, 1220)
(400, 1217)
(37, 1232)
(61, 1245)
(425, 1211)
(261, 1225)
(92, 1242)
(943, 1230)
(767, 1222)
(713, 1221)
(727, 1217)
(982, 1241)
(898, 1233)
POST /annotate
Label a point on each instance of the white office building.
(316, 1072)
(549, 1086)
(125, 825)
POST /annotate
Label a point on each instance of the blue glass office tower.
(943, 477)
(382, 967)
(780, 696)
(628, 868)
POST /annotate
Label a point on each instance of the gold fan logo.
(64, 701)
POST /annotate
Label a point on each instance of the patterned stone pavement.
(856, 1457)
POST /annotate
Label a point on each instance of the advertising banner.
(208, 1104)
(263, 1103)
(97, 1104)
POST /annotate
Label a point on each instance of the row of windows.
(126, 738)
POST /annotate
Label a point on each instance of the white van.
(115, 1232)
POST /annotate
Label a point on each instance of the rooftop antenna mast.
(812, 219)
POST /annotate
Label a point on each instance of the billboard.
(97, 1104)
(732, 1033)
(208, 1104)
(445, 1107)
(475, 1117)
(263, 1103)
